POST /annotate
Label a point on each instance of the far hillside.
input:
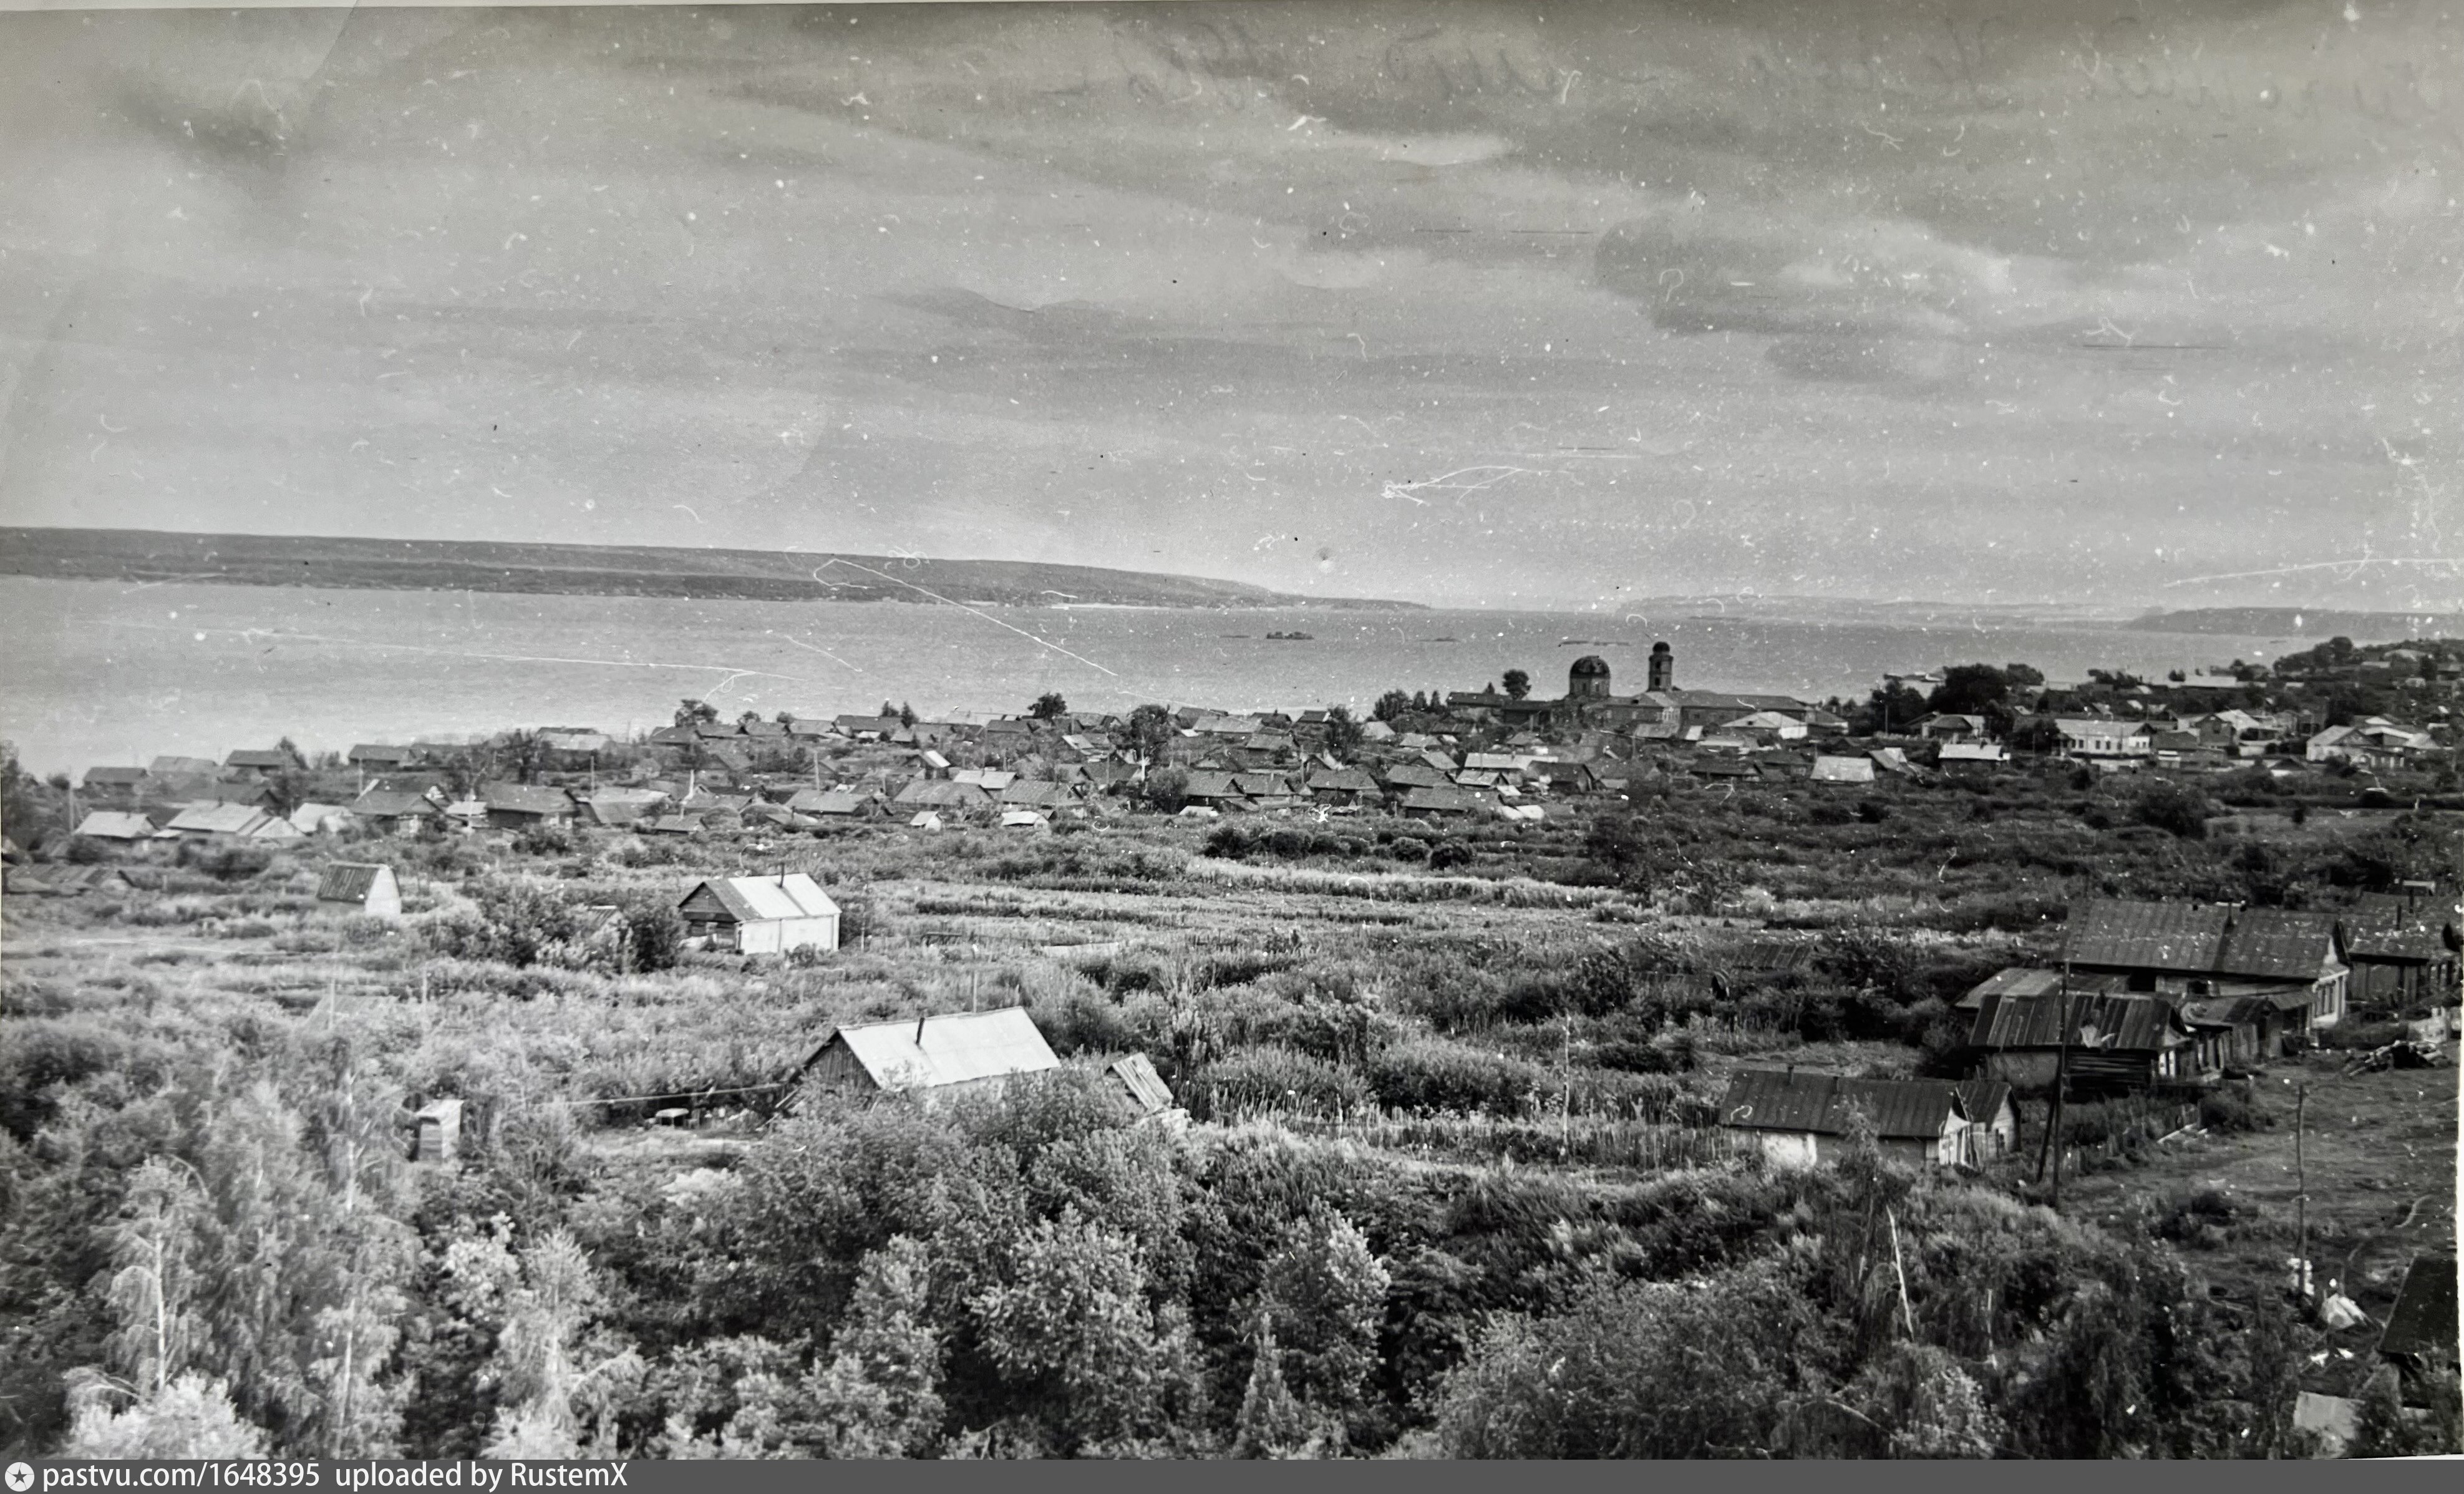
(138, 555)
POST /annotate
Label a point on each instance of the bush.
(1446, 855)
(226, 860)
(2175, 808)
(1227, 842)
(1436, 1074)
(1271, 1078)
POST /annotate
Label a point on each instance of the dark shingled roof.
(2169, 936)
(1774, 1099)
(2422, 1320)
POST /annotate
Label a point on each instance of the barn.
(761, 915)
(361, 887)
(930, 1056)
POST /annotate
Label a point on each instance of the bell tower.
(1662, 674)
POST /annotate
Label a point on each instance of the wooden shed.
(761, 915)
(360, 887)
(933, 1056)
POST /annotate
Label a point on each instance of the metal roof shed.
(368, 888)
(930, 1055)
(761, 915)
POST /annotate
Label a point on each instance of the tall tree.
(1518, 683)
(1048, 706)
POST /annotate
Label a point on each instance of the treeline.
(222, 1253)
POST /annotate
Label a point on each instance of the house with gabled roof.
(2215, 950)
(931, 1058)
(1802, 1117)
(118, 782)
(112, 824)
(2403, 947)
(397, 811)
(378, 756)
(361, 887)
(270, 760)
(761, 916)
(514, 806)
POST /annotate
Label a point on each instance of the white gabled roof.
(763, 899)
(950, 1050)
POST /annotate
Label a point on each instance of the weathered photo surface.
(1276, 730)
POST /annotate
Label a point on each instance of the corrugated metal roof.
(764, 899)
(2114, 1021)
(112, 825)
(955, 1048)
(2029, 980)
(2164, 936)
(218, 819)
(2279, 944)
(348, 882)
(526, 799)
(2386, 926)
(1448, 801)
(385, 803)
(1774, 1099)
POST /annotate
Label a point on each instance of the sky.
(2117, 304)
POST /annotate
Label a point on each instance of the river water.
(116, 672)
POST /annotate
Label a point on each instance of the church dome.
(1590, 666)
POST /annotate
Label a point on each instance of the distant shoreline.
(443, 565)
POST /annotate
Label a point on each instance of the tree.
(1518, 683)
(190, 1418)
(153, 1289)
(1073, 1336)
(1048, 706)
(1891, 707)
(1167, 790)
(1390, 705)
(1324, 1296)
(2175, 808)
(1151, 730)
(906, 715)
(1969, 690)
(1342, 732)
(1272, 1423)
(696, 713)
(879, 1396)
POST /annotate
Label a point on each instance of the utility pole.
(2061, 1084)
(2301, 1199)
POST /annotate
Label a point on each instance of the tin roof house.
(761, 916)
(930, 1057)
(2213, 950)
(360, 887)
(1802, 1117)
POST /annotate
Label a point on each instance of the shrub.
(2175, 808)
(1436, 1075)
(1229, 841)
(1446, 855)
(1273, 1078)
